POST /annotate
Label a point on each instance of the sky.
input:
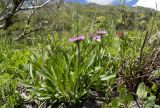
(144, 3)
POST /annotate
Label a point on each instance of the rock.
(90, 104)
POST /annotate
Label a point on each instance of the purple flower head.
(101, 33)
(97, 38)
(77, 38)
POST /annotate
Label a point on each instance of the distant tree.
(9, 8)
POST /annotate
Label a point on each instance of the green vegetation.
(40, 68)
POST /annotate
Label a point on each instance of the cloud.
(143, 3)
(108, 2)
(149, 4)
(101, 2)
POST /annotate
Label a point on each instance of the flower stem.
(101, 42)
(78, 61)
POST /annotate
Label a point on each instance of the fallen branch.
(24, 34)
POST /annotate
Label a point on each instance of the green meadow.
(81, 56)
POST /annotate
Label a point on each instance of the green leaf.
(150, 102)
(141, 91)
(106, 78)
(32, 74)
(156, 106)
(115, 102)
(91, 60)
